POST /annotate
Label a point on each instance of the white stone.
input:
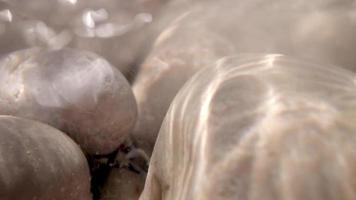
(258, 127)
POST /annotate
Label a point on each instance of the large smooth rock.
(258, 127)
(40, 162)
(75, 91)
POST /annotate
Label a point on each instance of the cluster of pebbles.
(177, 99)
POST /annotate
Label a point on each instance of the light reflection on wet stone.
(258, 127)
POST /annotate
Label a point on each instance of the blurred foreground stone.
(258, 127)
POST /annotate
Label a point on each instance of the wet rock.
(75, 91)
(258, 127)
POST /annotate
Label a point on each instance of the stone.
(75, 91)
(258, 127)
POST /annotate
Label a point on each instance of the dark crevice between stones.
(101, 166)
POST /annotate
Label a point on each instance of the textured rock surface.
(75, 91)
(258, 127)
(40, 162)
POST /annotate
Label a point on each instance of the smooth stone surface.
(75, 91)
(177, 54)
(40, 162)
(258, 127)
